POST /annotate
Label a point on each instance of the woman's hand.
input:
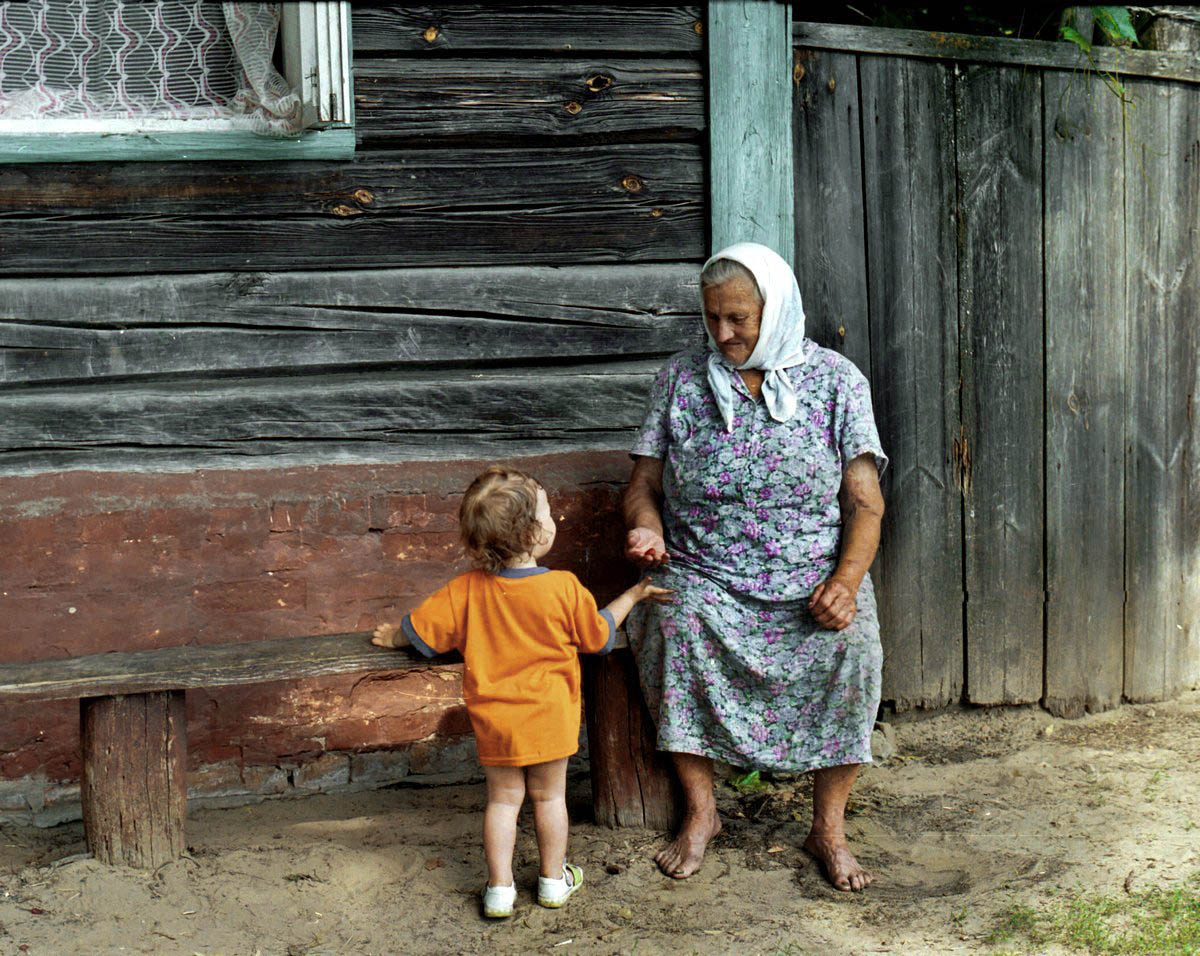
(645, 547)
(833, 605)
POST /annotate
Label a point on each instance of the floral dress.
(736, 668)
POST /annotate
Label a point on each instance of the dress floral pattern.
(736, 668)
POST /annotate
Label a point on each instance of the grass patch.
(1146, 923)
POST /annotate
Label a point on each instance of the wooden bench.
(133, 730)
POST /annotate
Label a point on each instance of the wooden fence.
(1005, 239)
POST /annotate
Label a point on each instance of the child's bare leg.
(547, 785)
(505, 793)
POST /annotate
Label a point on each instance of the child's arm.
(389, 635)
(643, 590)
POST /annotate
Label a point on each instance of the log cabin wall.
(240, 399)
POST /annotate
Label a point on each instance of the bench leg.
(633, 785)
(134, 789)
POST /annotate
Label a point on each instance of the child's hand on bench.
(389, 635)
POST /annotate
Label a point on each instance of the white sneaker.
(498, 900)
(553, 893)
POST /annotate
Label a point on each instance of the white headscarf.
(781, 342)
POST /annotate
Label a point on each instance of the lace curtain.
(172, 60)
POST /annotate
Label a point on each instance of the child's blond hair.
(498, 517)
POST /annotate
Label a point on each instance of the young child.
(520, 628)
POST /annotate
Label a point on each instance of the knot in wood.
(364, 196)
(831, 85)
(698, 28)
(797, 72)
(573, 108)
(600, 81)
(633, 184)
(431, 33)
(656, 213)
(341, 209)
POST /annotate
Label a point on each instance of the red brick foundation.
(94, 562)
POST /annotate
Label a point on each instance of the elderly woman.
(756, 475)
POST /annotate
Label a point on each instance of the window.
(174, 79)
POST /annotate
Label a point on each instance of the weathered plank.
(65, 329)
(407, 447)
(633, 784)
(1002, 51)
(531, 28)
(999, 156)
(134, 782)
(200, 666)
(750, 124)
(482, 100)
(626, 203)
(1162, 494)
(908, 143)
(1085, 394)
(388, 416)
(831, 248)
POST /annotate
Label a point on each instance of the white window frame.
(317, 55)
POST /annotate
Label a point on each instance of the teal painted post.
(750, 123)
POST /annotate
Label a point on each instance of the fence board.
(626, 203)
(1085, 394)
(406, 101)
(907, 159)
(999, 153)
(831, 248)
(534, 28)
(1162, 521)
(67, 329)
(1007, 51)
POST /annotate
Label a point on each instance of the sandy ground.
(978, 810)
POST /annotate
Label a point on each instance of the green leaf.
(1115, 23)
(1074, 36)
(749, 783)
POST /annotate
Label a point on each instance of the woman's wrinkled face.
(732, 312)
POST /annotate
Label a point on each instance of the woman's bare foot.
(839, 864)
(683, 855)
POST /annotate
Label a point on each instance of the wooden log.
(1084, 180)
(626, 203)
(1162, 480)
(633, 784)
(750, 124)
(198, 666)
(999, 157)
(412, 447)
(482, 101)
(908, 111)
(529, 403)
(134, 785)
(1002, 51)
(831, 247)
(67, 329)
(530, 28)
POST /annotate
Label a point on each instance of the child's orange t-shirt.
(520, 633)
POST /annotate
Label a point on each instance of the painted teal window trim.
(169, 146)
(751, 166)
(332, 143)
